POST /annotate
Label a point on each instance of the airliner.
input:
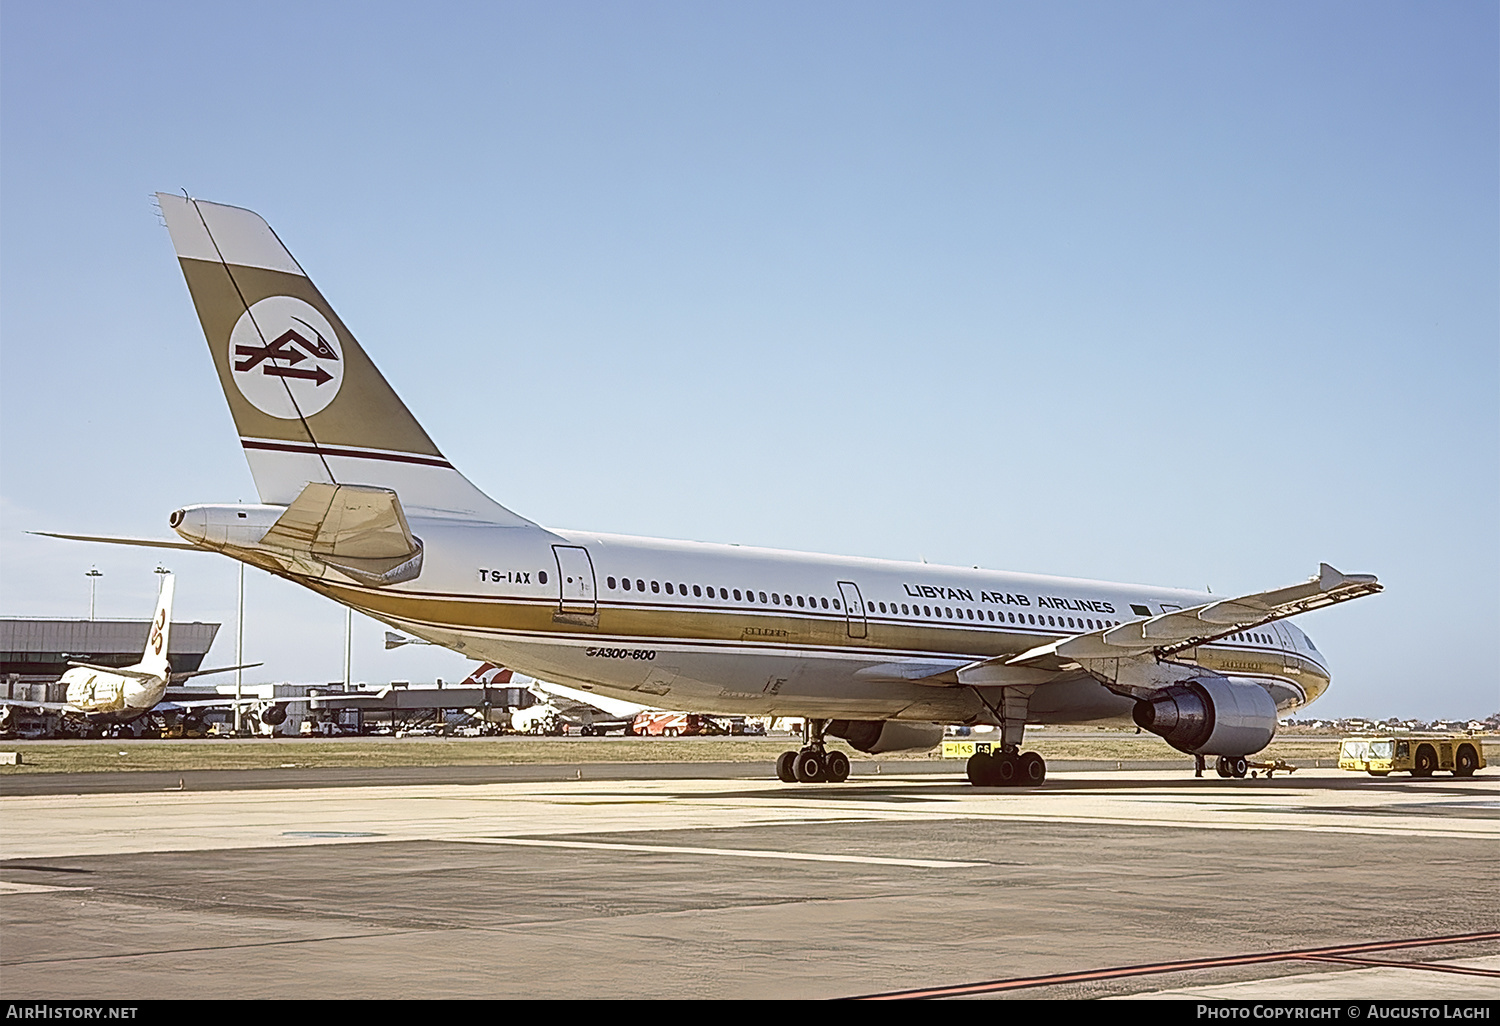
(112, 695)
(359, 505)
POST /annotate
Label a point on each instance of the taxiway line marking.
(744, 853)
(1120, 972)
(1435, 967)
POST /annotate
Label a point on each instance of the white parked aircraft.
(122, 694)
(359, 505)
(547, 708)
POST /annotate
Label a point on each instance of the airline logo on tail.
(156, 629)
(286, 358)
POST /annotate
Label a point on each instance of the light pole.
(348, 643)
(93, 575)
(239, 656)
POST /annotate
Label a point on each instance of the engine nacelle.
(875, 736)
(273, 715)
(1210, 716)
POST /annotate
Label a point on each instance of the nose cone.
(191, 523)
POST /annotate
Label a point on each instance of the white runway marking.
(744, 853)
(25, 888)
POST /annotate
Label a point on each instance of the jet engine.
(273, 715)
(1210, 716)
(875, 736)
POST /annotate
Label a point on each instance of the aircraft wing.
(1182, 629)
(149, 543)
(226, 702)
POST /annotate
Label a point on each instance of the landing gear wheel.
(1426, 762)
(836, 767)
(1004, 772)
(1466, 762)
(1222, 768)
(1031, 769)
(1239, 766)
(785, 771)
(981, 769)
(808, 767)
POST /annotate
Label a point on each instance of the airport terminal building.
(36, 652)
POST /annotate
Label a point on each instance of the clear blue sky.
(1174, 293)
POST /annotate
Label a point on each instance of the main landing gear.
(1232, 766)
(1006, 768)
(813, 763)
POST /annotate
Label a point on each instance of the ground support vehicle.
(1421, 755)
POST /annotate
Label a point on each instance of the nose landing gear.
(813, 763)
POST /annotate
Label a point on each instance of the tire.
(808, 768)
(1005, 772)
(1239, 766)
(1426, 762)
(836, 766)
(1379, 773)
(1222, 768)
(669, 732)
(980, 769)
(1465, 762)
(1032, 769)
(785, 771)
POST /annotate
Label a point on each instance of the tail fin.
(154, 659)
(308, 403)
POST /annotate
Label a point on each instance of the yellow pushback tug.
(1418, 754)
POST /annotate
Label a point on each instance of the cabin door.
(854, 609)
(575, 581)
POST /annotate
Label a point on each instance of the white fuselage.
(737, 629)
(100, 694)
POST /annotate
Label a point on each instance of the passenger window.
(762, 597)
(775, 598)
(736, 594)
(669, 587)
(640, 585)
(697, 592)
(801, 601)
(825, 603)
(788, 599)
(655, 588)
(835, 603)
(625, 584)
(611, 582)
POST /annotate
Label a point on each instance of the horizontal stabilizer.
(356, 529)
(121, 671)
(108, 539)
(184, 675)
(48, 706)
